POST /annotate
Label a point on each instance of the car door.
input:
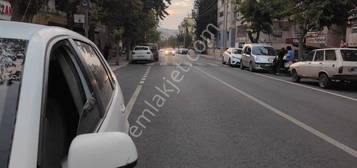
(330, 64)
(305, 65)
(316, 65)
(69, 106)
(246, 56)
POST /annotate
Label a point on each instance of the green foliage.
(139, 18)
(259, 15)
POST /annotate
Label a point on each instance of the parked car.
(142, 53)
(154, 49)
(258, 57)
(232, 56)
(170, 51)
(327, 65)
(64, 106)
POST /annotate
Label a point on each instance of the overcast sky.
(178, 10)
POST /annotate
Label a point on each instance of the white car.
(327, 65)
(258, 57)
(142, 53)
(232, 56)
(61, 105)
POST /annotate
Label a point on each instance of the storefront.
(5, 10)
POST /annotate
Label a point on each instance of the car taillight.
(340, 70)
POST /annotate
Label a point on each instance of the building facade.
(226, 21)
(351, 32)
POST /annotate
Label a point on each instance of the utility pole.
(225, 24)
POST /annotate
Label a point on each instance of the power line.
(207, 9)
(28, 5)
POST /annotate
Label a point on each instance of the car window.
(309, 56)
(98, 70)
(141, 48)
(12, 57)
(69, 106)
(330, 55)
(263, 50)
(349, 55)
(236, 51)
(319, 56)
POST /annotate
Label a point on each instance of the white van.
(258, 57)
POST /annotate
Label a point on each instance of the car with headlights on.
(258, 57)
(232, 56)
(170, 51)
(327, 66)
(61, 106)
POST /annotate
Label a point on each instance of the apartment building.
(226, 21)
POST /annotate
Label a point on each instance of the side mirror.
(106, 150)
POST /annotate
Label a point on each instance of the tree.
(204, 13)
(259, 16)
(312, 15)
(24, 10)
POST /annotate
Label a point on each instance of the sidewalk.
(212, 57)
(122, 62)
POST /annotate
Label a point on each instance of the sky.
(177, 10)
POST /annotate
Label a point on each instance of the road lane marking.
(300, 124)
(134, 97)
(309, 87)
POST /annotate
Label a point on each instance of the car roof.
(257, 44)
(322, 49)
(143, 46)
(26, 31)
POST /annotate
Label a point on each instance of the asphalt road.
(189, 113)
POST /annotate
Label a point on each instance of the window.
(141, 48)
(70, 107)
(349, 55)
(319, 56)
(309, 56)
(100, 73)
(12, 56)
(262, 50)
(236, 51)
(330, 55)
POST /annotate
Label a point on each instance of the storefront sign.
(5, 10)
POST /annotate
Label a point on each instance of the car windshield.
(141, 48)
(349, 55)
(12, 55)
(263, 50)
(237, 51)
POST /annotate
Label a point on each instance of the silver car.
(258, 57)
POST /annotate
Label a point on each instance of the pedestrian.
(280, 60)
(290, 55)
